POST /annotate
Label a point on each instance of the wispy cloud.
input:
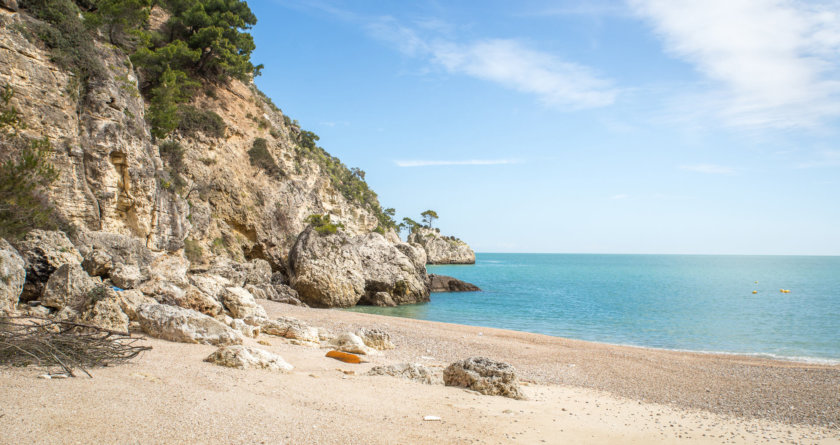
(467, 162)
(507, 62)
(776, 62)
(710, 169)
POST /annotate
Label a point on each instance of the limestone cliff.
(212, 194)
(442, 249)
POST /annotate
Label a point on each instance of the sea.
(705, 303)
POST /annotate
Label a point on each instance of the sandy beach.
(578, 392)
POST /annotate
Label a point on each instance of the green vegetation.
(428, 217)
(322, 224)
(67, 35)
(349, 182)
(191, 120)
(193, 250)
(409, 224)
(23, 178)
(261, 158)
(172, 155)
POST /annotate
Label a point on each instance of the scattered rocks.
(184, 325)
(243, 357)
(12, 276)
(411, 371)
(245, 328)
(485, 376)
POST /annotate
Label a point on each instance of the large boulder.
(352, 343)
(12, 276)
(184, 325)
(258, 272)
(44, 251)
(339, 270)
(485, 376)
(121, 249)
(170, 267)
(240, 303)
(70, 286)
(442, 249)
(98, 263)
(243, 357)
(285, 294)
(443, 283)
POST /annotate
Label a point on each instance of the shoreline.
(759, 355)
(577, 392)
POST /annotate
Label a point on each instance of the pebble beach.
(577, 392)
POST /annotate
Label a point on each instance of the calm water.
(690, 302)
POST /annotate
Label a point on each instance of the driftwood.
(49, 343)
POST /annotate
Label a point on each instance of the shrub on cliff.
(261, 158)
(322, 224)
(23, 206)
(191, 120)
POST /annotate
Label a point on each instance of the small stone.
(431, 418)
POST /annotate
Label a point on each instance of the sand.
(578, 392)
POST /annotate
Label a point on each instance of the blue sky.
(646, 126)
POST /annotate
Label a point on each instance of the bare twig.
(44, 342)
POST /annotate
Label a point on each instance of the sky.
(645, 126)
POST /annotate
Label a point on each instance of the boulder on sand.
(484, 375)
(184, 325)
(243, 357)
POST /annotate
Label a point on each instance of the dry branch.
(50, 343)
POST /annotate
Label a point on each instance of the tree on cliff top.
(428, 217)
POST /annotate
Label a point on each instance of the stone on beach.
(410, 371)
(243, 357)
(241, 304)
(485, 376)
(376, 339)
(350, 342)
(184, 325)
(285, 327)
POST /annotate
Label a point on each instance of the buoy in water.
(755, 291)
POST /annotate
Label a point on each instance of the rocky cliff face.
(442, 249)
(113, 178)
(189, 221)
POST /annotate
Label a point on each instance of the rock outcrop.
(12, 277)
(442, 249)
(44, 252)
(184, 325)
(340, 270)
(443, 283)
(484, 376)
(243, 357)
(70, 286)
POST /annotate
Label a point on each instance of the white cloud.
(467, 162)
(710, 169)
(507, 62)
(777, 61)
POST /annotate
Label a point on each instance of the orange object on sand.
(344, 357)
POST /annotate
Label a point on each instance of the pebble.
(431, 418)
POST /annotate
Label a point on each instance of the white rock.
(241, 303)
(243, 357)
(350, 342)
(184, 325)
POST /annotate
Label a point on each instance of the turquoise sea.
(685, 302)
